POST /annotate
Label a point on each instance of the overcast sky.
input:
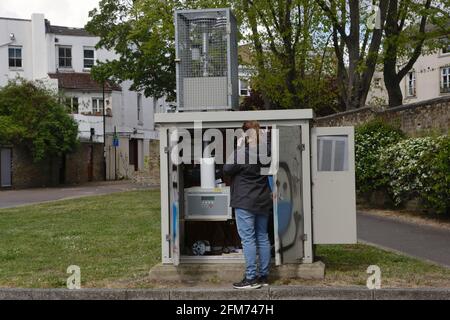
(70, 13)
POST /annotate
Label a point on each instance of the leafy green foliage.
(405, 168)
(438, 196)
(32, 115)
(419, 168)
(290, 51)
(412, 28)
(142, 34)
(370, 139)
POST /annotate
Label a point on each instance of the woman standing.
(252, 200)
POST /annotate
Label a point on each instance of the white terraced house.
(428, 79)
(62, 57)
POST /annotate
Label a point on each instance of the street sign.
(115, 141)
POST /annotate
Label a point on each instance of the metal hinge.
(168, 237)
(166, 149)
(301, 146)
(304, 237)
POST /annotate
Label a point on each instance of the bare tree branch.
(334, 20)
(418, 49)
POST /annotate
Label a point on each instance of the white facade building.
(62, 57)
(428, 79)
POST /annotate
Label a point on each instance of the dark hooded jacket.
(249, 188)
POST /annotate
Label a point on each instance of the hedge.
(407, 168)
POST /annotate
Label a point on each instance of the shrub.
(31, 115)
(439, 196)
(418, 168)
(370, 139)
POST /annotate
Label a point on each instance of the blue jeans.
(252, 229)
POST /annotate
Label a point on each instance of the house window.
(72, 105)
(446, 48)
(15, 57)
(139, 107)
(445, 80)
(411, 84)
(88, 61)
(244, 88)
(97, 106)
(64, 57)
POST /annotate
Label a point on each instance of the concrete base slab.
(232, 272)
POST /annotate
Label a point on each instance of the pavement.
(420, 241)
(267, 293)
(15, 198)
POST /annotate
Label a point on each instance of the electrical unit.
(207, 60)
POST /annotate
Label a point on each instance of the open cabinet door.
(174, 200)
(287, 207)
(333, 189)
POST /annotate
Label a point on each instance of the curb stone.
(270, 293)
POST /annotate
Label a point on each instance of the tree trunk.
(258, 46)
(392, 77)
(394, 93)
(361, 66)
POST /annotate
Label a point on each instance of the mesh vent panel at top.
(204, 80)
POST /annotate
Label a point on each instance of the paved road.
(424, 242)
(14, 198)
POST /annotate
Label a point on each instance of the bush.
(31, 115)
(370, 139)
(418, 168)
(439, 196)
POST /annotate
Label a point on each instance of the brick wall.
(422, 118)
(154, 162)
(149, 174)
(77, 164)
(29, 174)
(47, 173)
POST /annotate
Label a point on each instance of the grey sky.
(70, 13)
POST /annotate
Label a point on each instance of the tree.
(32, 115)
(357, 37)
(289, 44)
(142, 35)
(406, 33)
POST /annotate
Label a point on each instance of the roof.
(66, 31)
(234, 116)
(14, 19)
(81, 81)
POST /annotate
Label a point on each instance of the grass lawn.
(115, 239)
(111, 238)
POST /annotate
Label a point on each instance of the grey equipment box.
(207, 72)
(207, 204)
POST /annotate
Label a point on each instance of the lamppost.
(104, 131)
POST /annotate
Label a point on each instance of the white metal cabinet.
(333, 185)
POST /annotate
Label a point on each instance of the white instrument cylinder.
(208, 173)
